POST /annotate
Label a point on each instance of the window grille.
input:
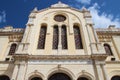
(55, 37)
(12, 49)
(64, 37)
(77, 37)
(42, 37)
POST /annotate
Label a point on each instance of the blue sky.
(15, 12)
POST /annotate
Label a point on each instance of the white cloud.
(103, 20)
(2, 17)
(84, 1)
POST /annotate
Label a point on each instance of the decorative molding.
(15, 38)
(13, 31)
(60, 57)
(105, 38)
(108, 31)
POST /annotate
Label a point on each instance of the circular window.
(59, 18)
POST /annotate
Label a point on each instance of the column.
(59, 43)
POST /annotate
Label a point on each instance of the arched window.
(42, 37)
(108, 49)
(59, 76)
(82, 78)
(12, 49)
(36, 78)
(4, 77)
(77, 37)
(55, 37)
(64, 37)
(115, 78)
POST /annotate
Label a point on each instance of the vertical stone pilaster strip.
(59, 44)
(95, 70)
(104, 72)
(15, 72)
(21, 70)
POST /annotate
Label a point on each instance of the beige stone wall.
(90, 62)
(3, 47)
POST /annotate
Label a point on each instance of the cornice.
(108, 31)
(60, 57)
(112, 62)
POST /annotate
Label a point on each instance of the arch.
(108, 49)
(60, 13)
(116, 77)
(59, 76)
(12, 48)
(4, 77)
(61, 70)
(36, 78)
(43, 24)
(42, 36)
(114, 73)
(36, 75)
(85, 75)
(77, 36)
(82, 78)
(63, 12)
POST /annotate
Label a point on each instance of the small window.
(12, 49)
(108, 49)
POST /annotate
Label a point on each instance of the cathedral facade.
(60, 43)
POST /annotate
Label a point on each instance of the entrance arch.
(36, 78)
(4, 77)
(82, 78)
(59, 76)
(115, 78)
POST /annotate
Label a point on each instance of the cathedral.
(60, 43)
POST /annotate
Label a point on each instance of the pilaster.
(22, 71)
(59, 43)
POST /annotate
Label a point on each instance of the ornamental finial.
(59, 2)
